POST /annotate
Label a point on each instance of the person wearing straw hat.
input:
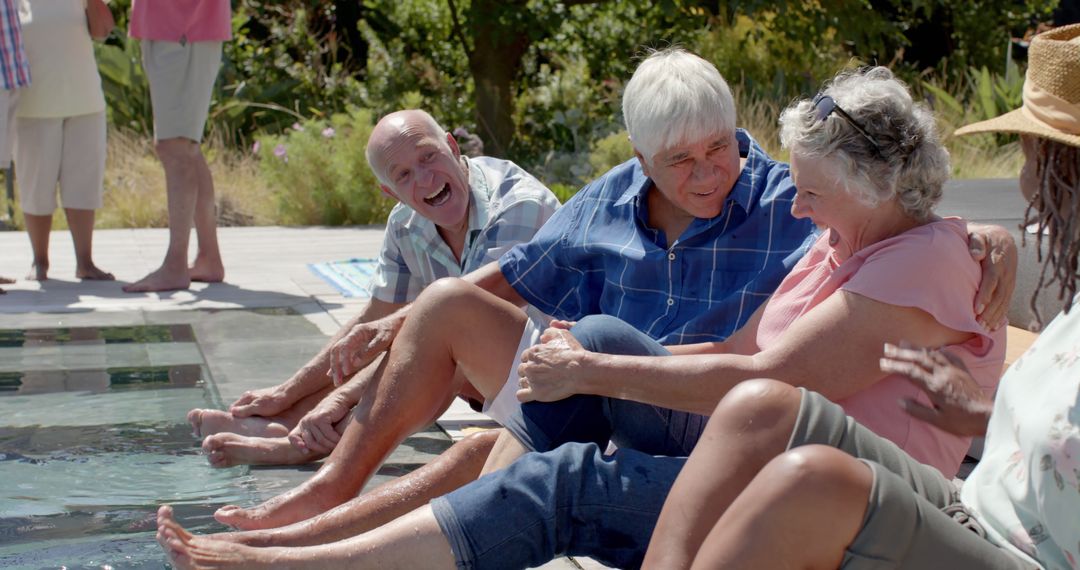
(1019, 508)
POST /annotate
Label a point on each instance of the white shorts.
(68, 151)
(182, 80)
(9, 99)
(506, 402)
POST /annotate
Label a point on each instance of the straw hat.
(1051, 91)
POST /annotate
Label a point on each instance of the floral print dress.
(1026, 489)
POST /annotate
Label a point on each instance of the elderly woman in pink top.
(181, 47)
(786, 497)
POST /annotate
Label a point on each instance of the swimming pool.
(93, 435)
(93, 438)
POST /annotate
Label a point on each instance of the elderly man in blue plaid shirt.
(683, 242)
(454, 215)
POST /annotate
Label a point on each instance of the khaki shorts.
(68, 151)
(914, 518)
(182, 80)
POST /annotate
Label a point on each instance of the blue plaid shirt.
(597, 255)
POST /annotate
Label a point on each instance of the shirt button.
(670, 301)
(671, 256)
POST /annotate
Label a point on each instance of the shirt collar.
(480, 195)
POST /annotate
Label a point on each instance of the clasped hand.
(358, 348)
(552, 370)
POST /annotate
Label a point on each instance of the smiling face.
(820, 196)
(422, 167)
(696, 177)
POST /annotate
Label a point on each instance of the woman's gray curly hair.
(909, 163)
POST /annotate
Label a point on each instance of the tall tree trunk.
(499, 44)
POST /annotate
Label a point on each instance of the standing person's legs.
(8, 98)
(38, 155)
(207, 266)
(82, 179)
(455, 332)
(181, 82)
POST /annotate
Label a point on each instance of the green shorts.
(914, 518)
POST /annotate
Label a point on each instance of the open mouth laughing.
(438, 198)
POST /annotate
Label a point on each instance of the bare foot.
(229, 449)
(38, 272)
(206, 422)
(298, 504)
(93, 273)
(160, 280)
(207, 271)
(186, 550)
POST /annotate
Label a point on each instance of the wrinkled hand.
(265, 402)
(958, 403)
(995, 249)
(550, 371)
(355, 350)
(315, 431)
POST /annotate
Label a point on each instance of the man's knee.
(449, 294)
(610, 335)
(177, 150)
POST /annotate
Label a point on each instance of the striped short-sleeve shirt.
(506, 207)
(14, 67)
(597, 255)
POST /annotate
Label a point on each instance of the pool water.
(93, 438)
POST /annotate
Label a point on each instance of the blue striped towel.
(352, 276)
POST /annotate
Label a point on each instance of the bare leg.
(178, 158)
(750, 426)
(410, 542)
(208, 266)
(38, 228)
(416, 383)
(81, 224)
(456, 467)
(801, 511)
(205, 422)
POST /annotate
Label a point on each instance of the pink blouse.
(928, 268)
(173, 20)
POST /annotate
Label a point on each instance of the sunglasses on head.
(824, 106)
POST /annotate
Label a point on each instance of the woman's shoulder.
(939, 241)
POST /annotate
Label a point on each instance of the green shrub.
(610, 152)
(317, 173)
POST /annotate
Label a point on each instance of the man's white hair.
(416, 116)
(675, 97)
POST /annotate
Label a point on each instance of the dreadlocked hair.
(1055, 213)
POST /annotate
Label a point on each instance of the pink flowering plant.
(317, 171)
